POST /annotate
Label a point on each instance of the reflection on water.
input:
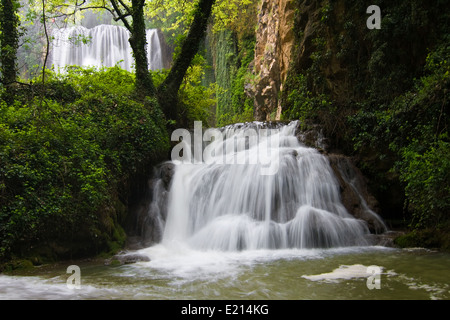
(291, 274)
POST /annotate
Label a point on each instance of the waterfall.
(231, 206)
(154, 52)
(103, 45)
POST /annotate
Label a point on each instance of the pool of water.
(177, 272)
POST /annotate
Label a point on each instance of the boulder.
(126, 258)
(355, 195)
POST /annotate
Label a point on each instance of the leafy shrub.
(427, 189)
(303, 105)
(413, 130)
(67, 153)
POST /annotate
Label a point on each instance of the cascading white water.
(106, 45)
(232, 207)
(154, 52)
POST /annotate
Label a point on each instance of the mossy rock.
(433, 238)
(16, 265)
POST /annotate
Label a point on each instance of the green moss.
(233, 55)
(115, 262)
(431, 238)
(225, 51)
(16, 265)
(69, 151)
(117, 241)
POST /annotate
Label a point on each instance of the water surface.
(291, 274)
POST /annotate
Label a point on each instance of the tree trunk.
(168, 91)
(9, 37)
(138, 43)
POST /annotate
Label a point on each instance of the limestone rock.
(126, 258)
(148, 216)
(274, 43)
(354, 192)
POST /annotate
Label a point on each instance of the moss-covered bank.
(432, 238)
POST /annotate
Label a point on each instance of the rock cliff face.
(274, 43)
(330, 35)
(147, 216)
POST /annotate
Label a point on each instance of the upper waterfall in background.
(106, 45)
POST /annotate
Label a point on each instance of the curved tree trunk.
(167, 92)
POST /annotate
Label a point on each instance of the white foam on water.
(39, 288)
(344, 272)
(181, 261)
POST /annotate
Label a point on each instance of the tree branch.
(47, 39)
(121, 15)
(99, 7)
(127, 9)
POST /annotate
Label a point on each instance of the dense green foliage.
(415, 129)
(68, 150)
(233, 50)
(232, 59)
(196, 99)
(383, 96)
